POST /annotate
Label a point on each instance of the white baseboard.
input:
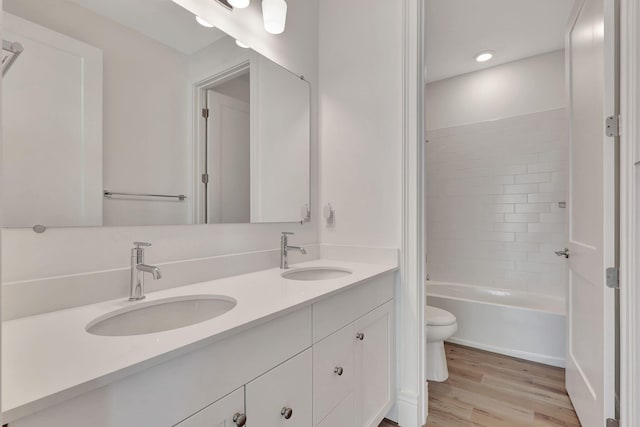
(393, 414)
(533, 357)
(407, 410)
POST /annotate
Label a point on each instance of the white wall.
(527, 86)
(238, 88)
(216, 58)
(137, 156)
(361, 120)
(70, 251)
(494, 186)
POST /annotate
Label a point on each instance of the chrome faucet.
(284, 249)
(138, 268)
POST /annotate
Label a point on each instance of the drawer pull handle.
(338, 370)
(240, 419)
(360, 336)
(286, 413)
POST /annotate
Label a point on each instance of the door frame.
(411, 401)
(199, 132)
(629, 214)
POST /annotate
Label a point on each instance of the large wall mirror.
(120, 113)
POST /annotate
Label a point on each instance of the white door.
(228, 160)
(52, 129)
(226, 412)
(591, 311)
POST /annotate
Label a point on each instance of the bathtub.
(518, 324)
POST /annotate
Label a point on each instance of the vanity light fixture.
(274, 14)
(240, 4)
(224, 3)
(484, 56)
(203, 22)
(242, 45)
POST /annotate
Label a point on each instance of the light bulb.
(274, 14)
(240, 4)
(203, 22)
(484, 56)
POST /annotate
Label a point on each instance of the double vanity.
(311, 345)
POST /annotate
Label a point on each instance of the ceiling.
(161, 20)
(514, 29)
(456, 29)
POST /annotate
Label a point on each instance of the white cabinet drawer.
(220, 413)
(333, 371)
(287, 387)
(333, 313)
(342, 416)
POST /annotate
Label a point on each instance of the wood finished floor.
(490, 390)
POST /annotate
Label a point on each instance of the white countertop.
(50, 358)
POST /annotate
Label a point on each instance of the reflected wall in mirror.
(130, 113)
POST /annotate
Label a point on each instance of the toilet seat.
(438, 317)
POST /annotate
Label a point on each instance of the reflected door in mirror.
(52, 129)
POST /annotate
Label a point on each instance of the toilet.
(441, 325)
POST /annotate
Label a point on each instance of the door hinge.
(613, 278)
(611, 422)
(613, 126)
(205, 178)
(205, 113)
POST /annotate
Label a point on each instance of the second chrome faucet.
(284, 249)
(138, 268)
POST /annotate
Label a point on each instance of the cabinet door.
(220, 413)
(333, 372)
(374, 364)
(282, 396)
(341, 416)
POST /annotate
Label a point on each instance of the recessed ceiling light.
(203, 22)
(484, 56)
(240, 4)
(242, 45)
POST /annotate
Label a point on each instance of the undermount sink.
(161, 315)
(316, 273)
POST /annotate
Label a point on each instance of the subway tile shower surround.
(494, 191)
